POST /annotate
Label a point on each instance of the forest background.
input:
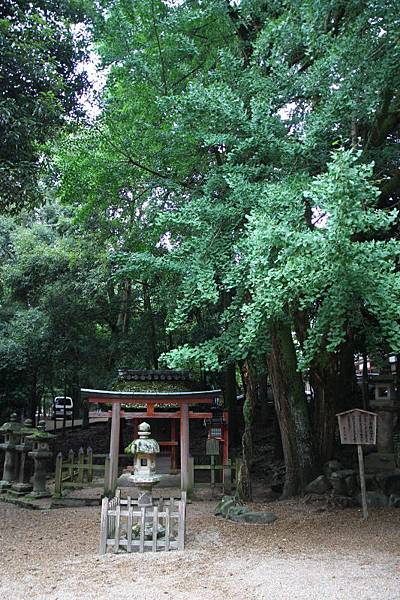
(228, 204)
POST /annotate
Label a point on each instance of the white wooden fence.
(119, 518)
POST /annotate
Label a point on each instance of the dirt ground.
(305, 554)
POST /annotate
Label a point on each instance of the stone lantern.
(11, 431)
(40, 453)
(23, 486)
(144, 470)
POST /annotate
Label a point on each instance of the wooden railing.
(125, 525)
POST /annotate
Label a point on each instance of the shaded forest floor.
(305, 554)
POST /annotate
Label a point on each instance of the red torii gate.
(150, 399)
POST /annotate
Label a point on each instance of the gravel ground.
(305, 554)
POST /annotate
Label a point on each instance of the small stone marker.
(358, 427)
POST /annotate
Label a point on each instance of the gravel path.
(52, 555)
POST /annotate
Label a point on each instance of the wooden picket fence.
(75, 471)
(220, 475)
(120, 516)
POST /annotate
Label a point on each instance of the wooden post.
(190, 474)
(212, 459)
(103, 526)
(225, 444)
(130, 523)
(71, 465)
(58, 476)
(167, 527)
(114, 446)
(117, 526)
(184, 446)
(155, 528)
(142, 528)
(107, 476)
(81, 458)
(173, 448)
(362, 481)
(89, 454)
(227, 477)
(181, 524)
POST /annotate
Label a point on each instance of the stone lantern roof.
(145, 444)
(27, 428)
(12, 426)
(40, 434)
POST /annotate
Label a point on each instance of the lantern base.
(43, 494)
(20, 489)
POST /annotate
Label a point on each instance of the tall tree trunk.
(124, 311)
(323, 380)
(262, 385)
(292, 411)
(249, 376)
(230, 395)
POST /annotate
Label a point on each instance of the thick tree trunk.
(291, 410)
(230, 395)
(335, 389)
(324, 384)
(124, 312)
(249, 376)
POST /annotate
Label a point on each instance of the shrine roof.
(159, 397)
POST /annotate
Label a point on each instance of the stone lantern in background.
(23, 486)
(11, 431)
(144, 470)
(40, 453)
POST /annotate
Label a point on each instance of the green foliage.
(40, 83)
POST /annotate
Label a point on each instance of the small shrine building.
(133, 400)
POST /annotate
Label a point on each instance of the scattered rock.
(237, 511)
(224, 505)
(331, 466)
(389, 482)
(254, 517)
(338, 484)
(344, 482)
(374, 500)
(378, 461)
(394, 501)
(320, 485)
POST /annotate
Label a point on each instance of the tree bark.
(291, 410)
(249, 376)
(324, 384)
(230, 395)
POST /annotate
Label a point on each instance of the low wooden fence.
(221, 475)
(75, 471)
(128, 527)
(92, 470)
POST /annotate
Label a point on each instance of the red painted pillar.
(184, 446)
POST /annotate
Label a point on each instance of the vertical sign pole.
(114, 446)
(184, 446)
(362, 481)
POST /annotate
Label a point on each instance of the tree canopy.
(234, 204)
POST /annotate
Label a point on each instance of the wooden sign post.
(358, 427)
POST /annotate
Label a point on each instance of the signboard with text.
(357, 427)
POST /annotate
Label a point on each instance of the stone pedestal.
(40, 453)
(11, 431)
(385, 405)
(23, 486)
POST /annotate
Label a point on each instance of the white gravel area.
(52, 555)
